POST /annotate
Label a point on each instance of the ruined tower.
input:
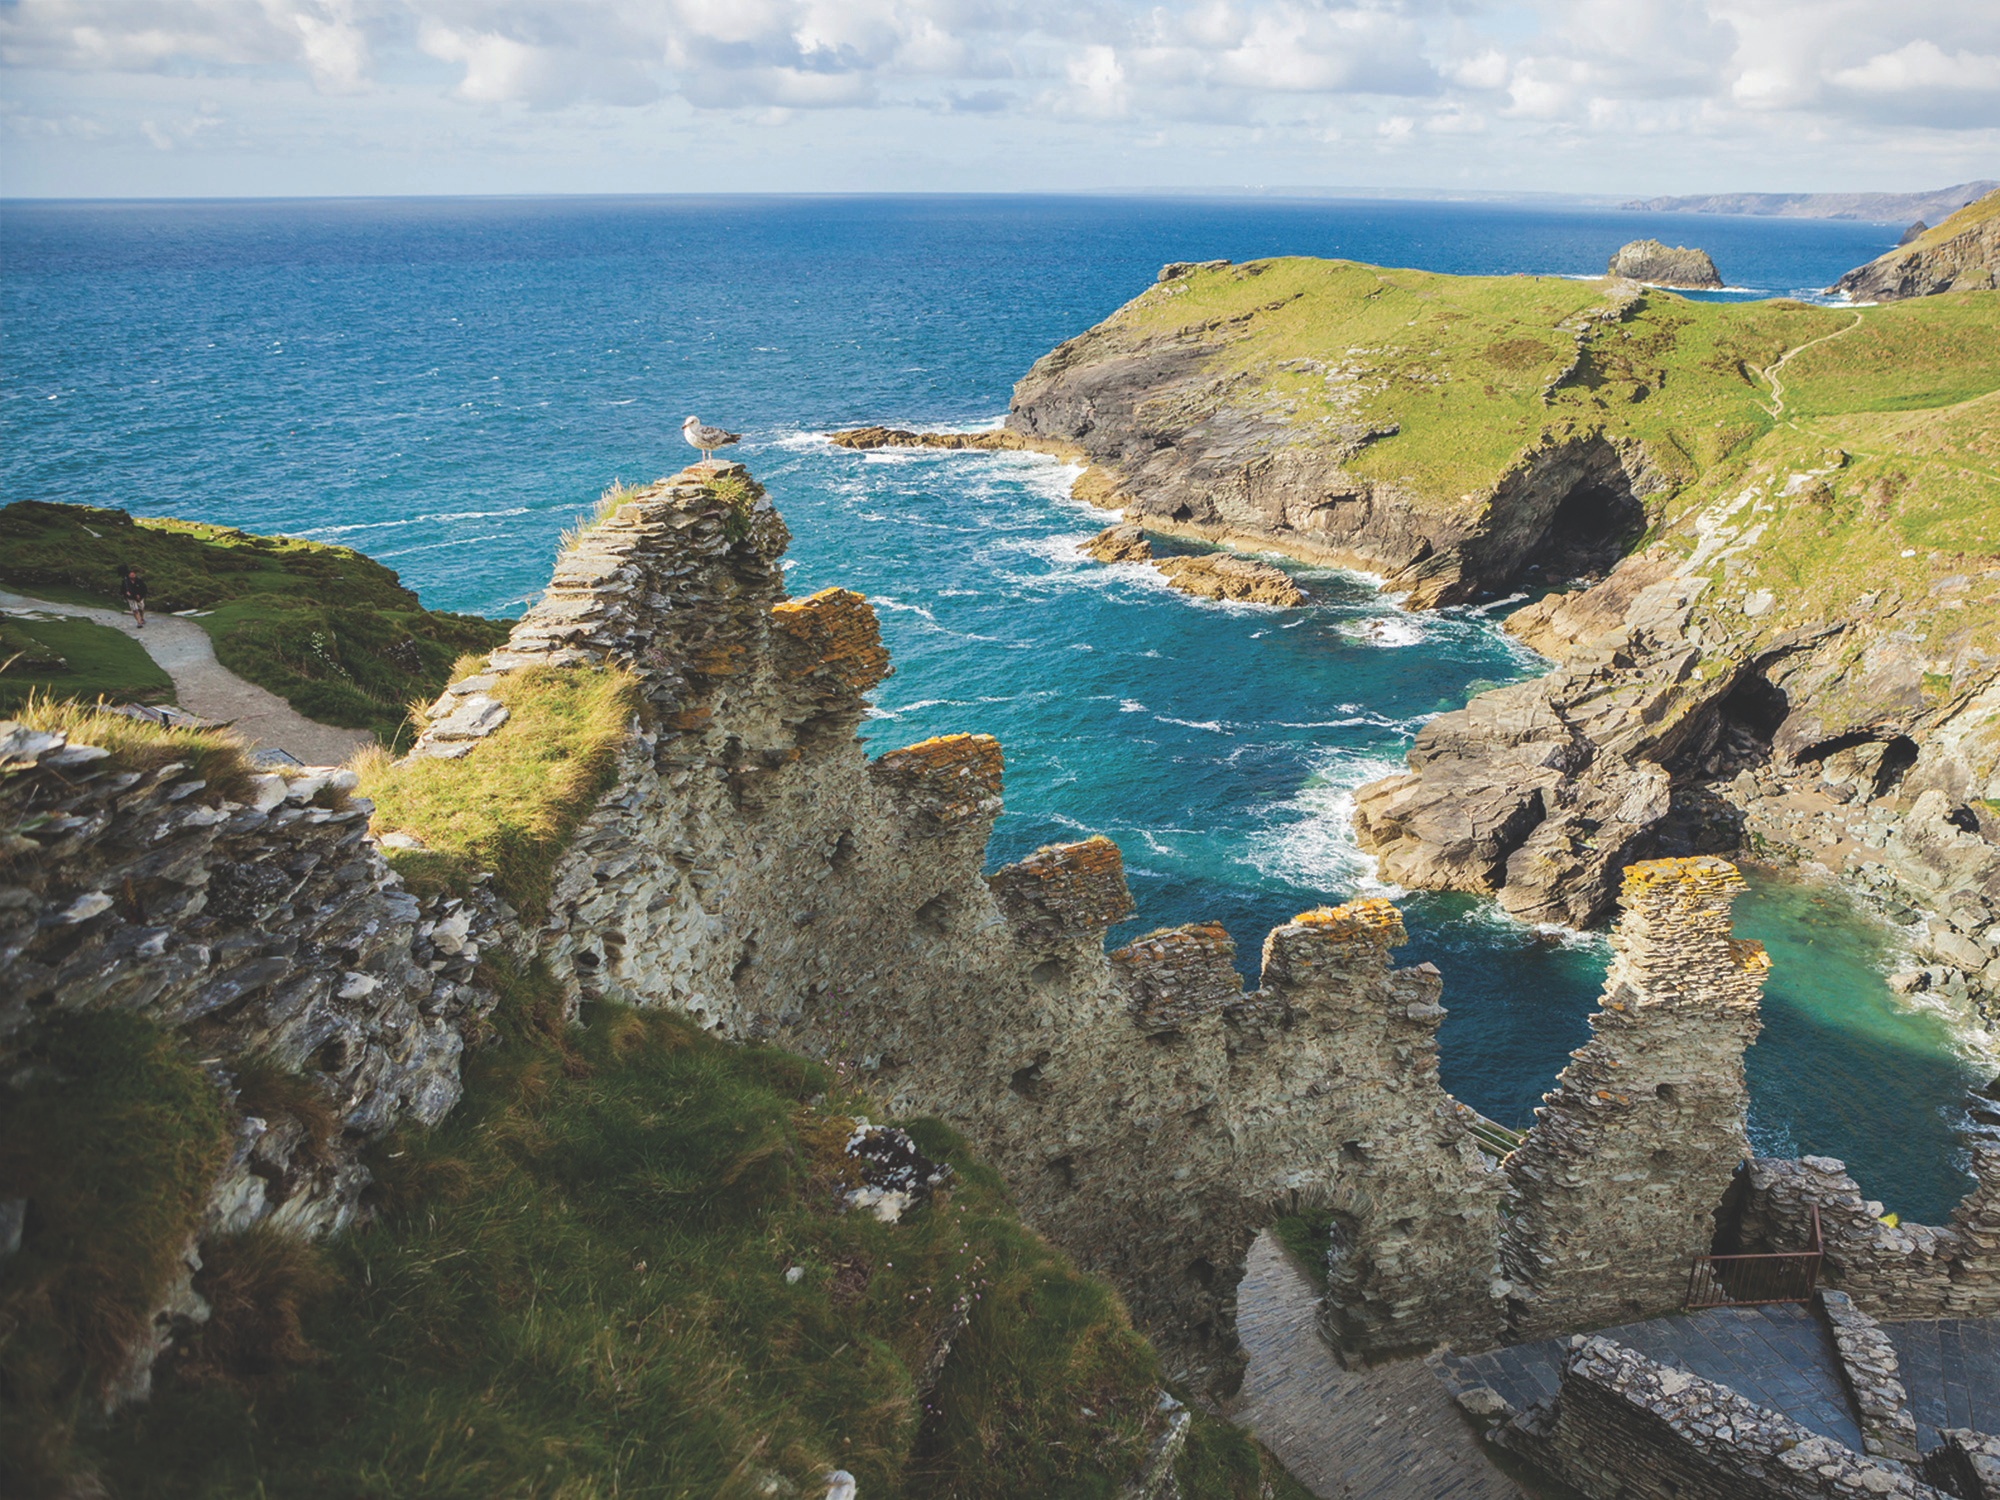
(1616, 1186)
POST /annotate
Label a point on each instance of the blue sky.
(307, 97)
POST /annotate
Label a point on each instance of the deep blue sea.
(444, 384)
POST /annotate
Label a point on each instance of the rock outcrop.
(901, 437)
(1659, 264)
(1960, 255)
(1212, 576)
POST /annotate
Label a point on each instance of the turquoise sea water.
(444, 384)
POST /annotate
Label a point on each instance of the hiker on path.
(135, 593)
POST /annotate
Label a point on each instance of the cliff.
(1657, 264)
(1881, 207)
(1960, 255)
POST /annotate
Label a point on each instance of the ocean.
(446, 383)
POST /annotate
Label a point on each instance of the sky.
(258, 98)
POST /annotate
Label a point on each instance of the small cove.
(445, 385)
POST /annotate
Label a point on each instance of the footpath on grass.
(202, 685)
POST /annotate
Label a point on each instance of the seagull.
(707, 439)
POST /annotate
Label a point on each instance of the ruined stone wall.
(263, 932)
(1623, 1427)
(753, 868)
(1617, 1182)
(1891, 1271)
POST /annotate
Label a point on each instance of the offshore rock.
(1119, 544)
(1216, 576)
(1960, 255)
(1224, 577)
(900, 437)
(1657, 264)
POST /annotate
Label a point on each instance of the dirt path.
(1387, 1433)
(1770, 372)
(204, 686)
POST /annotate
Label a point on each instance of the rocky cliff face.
(1187, 436)
(1960, 255)
(1659, 264)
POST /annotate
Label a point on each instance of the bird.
(707, 439)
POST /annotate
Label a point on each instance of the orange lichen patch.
(1373, 918)
(839, 633)
(1748, 953)
(1696, 875)
(950, 778)
(1081, 884)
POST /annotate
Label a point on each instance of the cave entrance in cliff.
(1862, 765)
(1592, 526)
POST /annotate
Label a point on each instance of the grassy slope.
(577, 1286)
(322, 626)
(98, 662)
(1461, 365)
(1975, 213)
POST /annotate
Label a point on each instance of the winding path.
(202, 685)
(1770, 371)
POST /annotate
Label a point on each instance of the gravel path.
(204, 686)
(1387, 1433)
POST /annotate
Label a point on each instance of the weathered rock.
(1220, 576)
(1658, 264)
(1120, 544)
(1961, 254)
(901, 437)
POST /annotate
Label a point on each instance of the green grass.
(98, 662)
(326, 628)
(511, 805)
(1305, 1236)
(216, 756)
(114, 1136)
(576, 1286)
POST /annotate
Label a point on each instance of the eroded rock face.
(1659, 264)
(1116, 544)
(1220, 576)
(1960, 255)
(1176, 445)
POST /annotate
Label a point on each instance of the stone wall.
(1891, 1271)
(753, 869)
(264, 931)
(1623, 1427)
(1618, 1181)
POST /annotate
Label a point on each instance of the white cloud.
(1500, 82)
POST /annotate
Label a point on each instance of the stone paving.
(1780, 1357)
(1386, 1433)
(1951, 1369)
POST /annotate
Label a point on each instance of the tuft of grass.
(615, 494)
(578, 1285)
(75, 658)
(510, 805)
(257, 1284)
(114, 1136)
(215, 755)
(331, 631)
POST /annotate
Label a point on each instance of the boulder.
(1666, 265)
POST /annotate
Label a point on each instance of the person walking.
(134, 590)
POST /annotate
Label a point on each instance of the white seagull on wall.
(706, 438)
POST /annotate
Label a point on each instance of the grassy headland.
(329, 630)
(1440, 386)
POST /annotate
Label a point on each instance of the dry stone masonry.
(1618, 1182)
(753, 869)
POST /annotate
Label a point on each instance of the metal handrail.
(1748, 1280)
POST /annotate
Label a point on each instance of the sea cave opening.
(1591, 528)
